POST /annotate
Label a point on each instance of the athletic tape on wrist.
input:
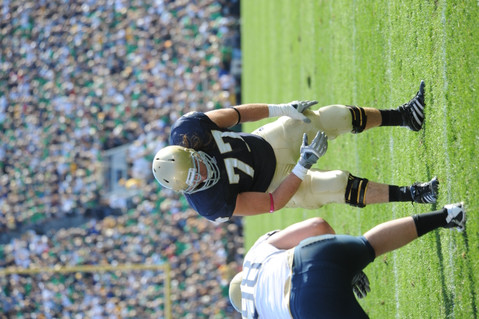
(300, 171)
(275, 110)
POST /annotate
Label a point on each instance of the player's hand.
(312, 152)
(360, 285)
(301, 106)
(293, 109)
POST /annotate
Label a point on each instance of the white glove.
(293, 109)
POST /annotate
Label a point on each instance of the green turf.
(374, 53)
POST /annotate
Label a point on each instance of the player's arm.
(292, 235)
(229, 117)
(254, 203)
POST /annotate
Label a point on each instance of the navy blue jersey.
(246, 163)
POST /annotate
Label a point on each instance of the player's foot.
(456, 216)
(425, 193)
(412, 112)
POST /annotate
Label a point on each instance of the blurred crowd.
(81, 77)
(161, 228)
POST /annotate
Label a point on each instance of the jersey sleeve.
(217, 204)
(194, 127)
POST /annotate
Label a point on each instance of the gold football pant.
(286, 135)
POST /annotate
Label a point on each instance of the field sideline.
(374, 53)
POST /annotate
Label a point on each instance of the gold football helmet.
(178, 168)
(235, 291)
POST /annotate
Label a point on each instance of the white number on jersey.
(231, 163)
(251, 271)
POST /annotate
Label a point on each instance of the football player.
(307, 271)
(224, 173)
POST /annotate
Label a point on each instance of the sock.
(400, 194)
(429, 221)
(391, 117)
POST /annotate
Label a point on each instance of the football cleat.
(425, 193)
(456, 216)
(412, 112)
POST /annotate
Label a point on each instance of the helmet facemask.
(194, 179)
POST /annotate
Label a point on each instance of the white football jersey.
(265, 272)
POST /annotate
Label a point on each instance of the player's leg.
(285, 136)
(292, 235)
(320, 188)
(329, 263)
(286, 133)
(339, 119)
(333, 120)
(323, 187)
(361, 192)
(396, 233)
(410, 114)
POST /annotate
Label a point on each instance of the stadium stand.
(77, 80)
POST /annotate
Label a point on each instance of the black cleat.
(412, 112)
(425, 193)
(456, 216)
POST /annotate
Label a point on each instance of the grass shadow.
(447, 297)
(470, 277)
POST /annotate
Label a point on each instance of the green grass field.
(374, 53)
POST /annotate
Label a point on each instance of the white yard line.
(354, 100)
(393, 160)
(444, 104)
(452, 246)
(395, 267)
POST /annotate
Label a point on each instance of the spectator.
(81, 77)
(71, 75)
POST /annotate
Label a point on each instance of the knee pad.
(356, 191)
(359, 118)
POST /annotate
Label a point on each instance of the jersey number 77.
(230, 162)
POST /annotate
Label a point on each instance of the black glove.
(360, 285)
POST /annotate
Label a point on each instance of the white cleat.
(456, 216)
